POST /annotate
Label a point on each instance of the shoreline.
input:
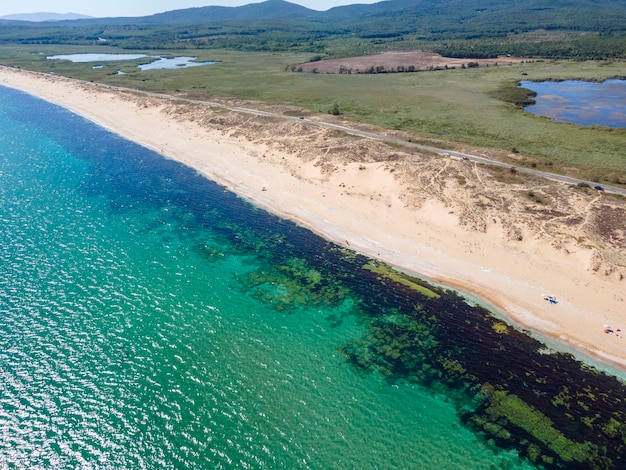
(361, 208)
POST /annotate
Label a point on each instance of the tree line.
(461, 29)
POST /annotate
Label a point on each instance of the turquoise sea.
(150, 319)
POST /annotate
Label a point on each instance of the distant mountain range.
(394, 15)
(554, 14)
(44, 16)
(461, 28)
(267, 10)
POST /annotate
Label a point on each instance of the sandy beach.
(446, 220)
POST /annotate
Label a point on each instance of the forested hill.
(463, 17)
(465, 28)
(428, 16)
(270, 9)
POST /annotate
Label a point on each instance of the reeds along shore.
(363, 205)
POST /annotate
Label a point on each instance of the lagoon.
(159, 63)
(83, 58)
(173, 63)
(580, 102)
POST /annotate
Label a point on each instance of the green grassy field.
(461, 105)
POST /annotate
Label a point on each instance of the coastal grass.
(466, 106)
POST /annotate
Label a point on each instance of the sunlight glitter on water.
(170, 324)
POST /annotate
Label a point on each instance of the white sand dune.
(363, 205)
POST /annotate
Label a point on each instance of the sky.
(112, 8)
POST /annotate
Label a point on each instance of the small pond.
(174, 63)
(580, 102)
(82, 58)
(158, 62)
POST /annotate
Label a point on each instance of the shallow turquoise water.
(131, 335)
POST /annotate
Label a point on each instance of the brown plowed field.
(395, 61)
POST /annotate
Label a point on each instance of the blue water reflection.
(580, 102)
(83, 58)
(173, 63)
(158, 62)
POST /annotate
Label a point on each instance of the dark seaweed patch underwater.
(508, 389)
(511, 392)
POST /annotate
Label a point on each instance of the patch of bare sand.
(398, 62)
(452, 221)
